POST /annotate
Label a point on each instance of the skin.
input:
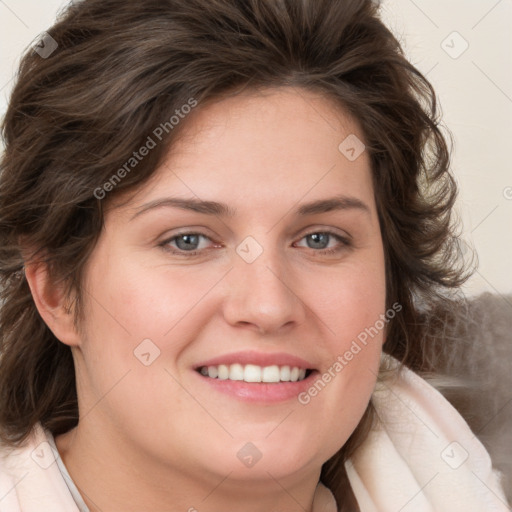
(157, 437)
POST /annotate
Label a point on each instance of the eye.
(325, 242)
(186, 243)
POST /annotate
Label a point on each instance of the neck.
(110, 476)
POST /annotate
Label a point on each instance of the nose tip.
(261, 297)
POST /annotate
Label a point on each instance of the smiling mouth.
(252, 373)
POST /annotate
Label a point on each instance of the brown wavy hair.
(121, 68)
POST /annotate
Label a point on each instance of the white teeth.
(252, 373)
(255, 373)
(270, 374)
(285, 373)
(223, 372)
(236, 372)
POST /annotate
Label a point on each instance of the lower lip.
(260, 391)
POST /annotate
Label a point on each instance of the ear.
(52, 303)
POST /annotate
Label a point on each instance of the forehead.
(266, 147)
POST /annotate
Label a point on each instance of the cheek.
(352, 307)
(137, 301)
(137, 314)
(351, 302)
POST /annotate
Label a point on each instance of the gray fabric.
(476, 348)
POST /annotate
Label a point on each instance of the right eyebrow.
(196, 205)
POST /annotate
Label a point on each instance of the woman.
(221, 223)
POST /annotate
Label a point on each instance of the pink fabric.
(30, 480)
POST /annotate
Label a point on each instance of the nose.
(261, 295)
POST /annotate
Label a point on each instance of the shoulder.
(421, 446)
(30, 479)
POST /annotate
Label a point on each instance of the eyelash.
(345, 243)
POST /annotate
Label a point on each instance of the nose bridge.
(259, 290)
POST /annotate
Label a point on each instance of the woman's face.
(255, 249)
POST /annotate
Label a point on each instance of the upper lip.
(259, 359)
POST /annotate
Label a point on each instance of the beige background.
(474, 85)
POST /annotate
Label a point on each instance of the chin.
(251, 458)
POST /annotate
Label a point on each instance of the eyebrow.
(223, 210)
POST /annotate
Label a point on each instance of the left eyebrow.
(333, 203)
(223, 210)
